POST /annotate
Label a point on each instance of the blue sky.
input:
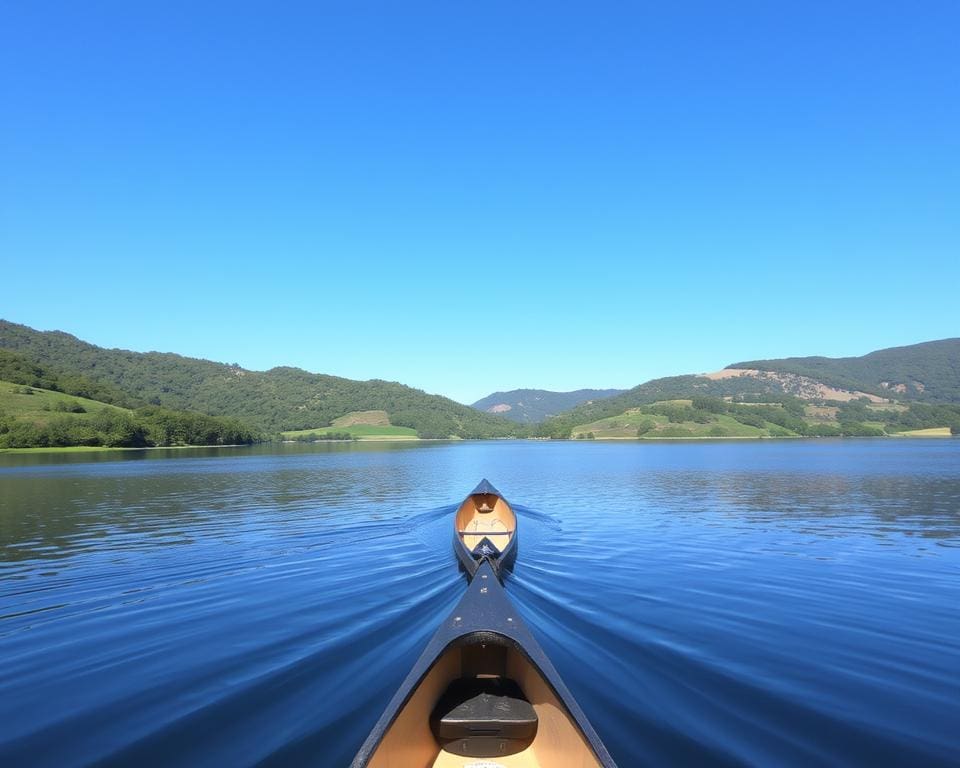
(473, 197)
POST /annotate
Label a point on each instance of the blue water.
(725, 603)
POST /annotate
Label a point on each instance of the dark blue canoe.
(485, 529)
(483, 693)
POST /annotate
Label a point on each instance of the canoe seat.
(484, 717)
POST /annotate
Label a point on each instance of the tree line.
(145, 427)
(312, 437)
(782, 415)
(279, 400)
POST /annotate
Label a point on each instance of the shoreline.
(704, 438)
(112, 448)
(767, 437)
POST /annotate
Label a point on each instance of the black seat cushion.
(483, 717)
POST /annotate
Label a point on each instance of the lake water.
(725, 603)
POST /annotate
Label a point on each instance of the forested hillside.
(773, 416)
(19, 369)
(669, 388)
(530, 406)
(929, 371)
(292, 400)
(270, 401)
(31, 417)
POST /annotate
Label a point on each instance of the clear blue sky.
(468, 197)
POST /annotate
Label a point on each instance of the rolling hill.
(33, 417)
(928, 372)
(656, 390)
(891, 391)
(774, 416)
(921, 373)
(530, 406)
(280, 399)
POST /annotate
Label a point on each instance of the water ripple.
(725, 604)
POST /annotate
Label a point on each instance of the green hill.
(928, 372)
(39, 406)
(920, 374)
(281, 399)
(530, 406)
(33, 417)
(18, 369)
(668, 388)
(654, 422)
(781, 416)
(907, 389)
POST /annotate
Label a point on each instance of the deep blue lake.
(726, 603)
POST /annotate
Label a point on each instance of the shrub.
(69, 406)
(750, 419)
(645, 426)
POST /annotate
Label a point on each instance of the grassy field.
(41, 405)
(358, 418)
(932, 432)
(626, 425)
(359, 431)
(640, 423)
(363, 425)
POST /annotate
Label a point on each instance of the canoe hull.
(483, 635)
(485, 512)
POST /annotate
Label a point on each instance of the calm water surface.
(769, 603)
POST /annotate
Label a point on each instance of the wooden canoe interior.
(410, 743)
(486, 515)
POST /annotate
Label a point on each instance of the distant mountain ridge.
(271, 401)
(929, 371)
(531, 406)
(920, 376)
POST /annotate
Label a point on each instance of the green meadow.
(41, 405)
(358, 431)
(635, 423)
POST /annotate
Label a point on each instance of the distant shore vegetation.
(57, 391)
(354, 432)
(36, 418)
(764, 416)
(270, 402)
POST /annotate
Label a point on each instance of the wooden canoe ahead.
(485, 528)
(483, 693)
